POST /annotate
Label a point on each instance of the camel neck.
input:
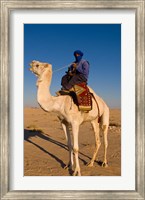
(44, 97)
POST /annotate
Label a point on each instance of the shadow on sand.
(28, 134)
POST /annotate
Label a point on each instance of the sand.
(46, 152)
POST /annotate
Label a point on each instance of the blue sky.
(55, 44)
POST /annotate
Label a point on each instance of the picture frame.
(6, 7)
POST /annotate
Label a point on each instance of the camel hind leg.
(96, 128)
(104, 127)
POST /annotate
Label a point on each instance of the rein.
(56, 70)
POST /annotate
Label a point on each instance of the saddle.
(81, 96)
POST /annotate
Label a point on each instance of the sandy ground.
(46, 153)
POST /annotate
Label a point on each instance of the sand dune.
(45, 149)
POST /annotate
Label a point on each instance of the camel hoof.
(68, 167)
(89, 164)
(76, 173)
(104, 164)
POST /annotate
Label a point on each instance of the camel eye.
(37, 65)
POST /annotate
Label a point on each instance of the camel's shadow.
(33, 133)
(28, 134)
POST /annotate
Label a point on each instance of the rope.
(62, 68)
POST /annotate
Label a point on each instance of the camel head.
(39, 67)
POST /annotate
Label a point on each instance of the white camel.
(69, 114)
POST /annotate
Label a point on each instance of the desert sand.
(46, 152)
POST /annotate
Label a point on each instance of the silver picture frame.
(139, 7)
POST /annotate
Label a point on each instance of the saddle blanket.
(84, 97)
(81, 96)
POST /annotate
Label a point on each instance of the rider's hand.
(74, 65)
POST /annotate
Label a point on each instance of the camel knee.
(105, 128)
(75, 150)
(106, 145)
(97, 144)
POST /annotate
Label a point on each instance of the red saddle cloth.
(84, 97)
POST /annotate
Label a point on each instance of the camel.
(69, 115)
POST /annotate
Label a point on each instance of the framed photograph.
(41, 36)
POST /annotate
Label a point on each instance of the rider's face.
(77, 55)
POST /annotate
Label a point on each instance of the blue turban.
(78, 52)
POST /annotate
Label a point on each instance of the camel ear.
(46, 65)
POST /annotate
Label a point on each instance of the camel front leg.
(96, 128)
(75, 131)
(69, 143)
(105, 133)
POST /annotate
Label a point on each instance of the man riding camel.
(75, 82)
(77, 73)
